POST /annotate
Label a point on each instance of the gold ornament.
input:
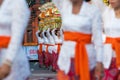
(49, 17)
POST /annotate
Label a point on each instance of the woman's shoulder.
(108, 12)
(91, 10)
(22, 6)
(21, 3)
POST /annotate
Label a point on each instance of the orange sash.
(40, 48)
(48, 46)
(62, 76)
(4, 41)
(116, 46)
(81, 57)
(58, 48)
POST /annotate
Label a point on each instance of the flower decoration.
(49, 17)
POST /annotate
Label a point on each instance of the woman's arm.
(53, 33)
(37, 33)
(100, 4)
(48, 32)
(61, 34)
(43, 33)
(97, 35)
(98, 43)
(20, 18)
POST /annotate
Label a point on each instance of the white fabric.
(51, 41)
(107, 56)
(44, 47)
(87, 21)
(56, 39)
(52, 48)
(46, 41)
(40, 40)
(99, 4)
(111, 26)
(111, 23)
(14, 16)
(50, 37)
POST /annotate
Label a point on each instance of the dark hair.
(40, 34)
(56, 31)
(87, 0)
(45, 33)
(51, 32)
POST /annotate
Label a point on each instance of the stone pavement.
(41, 73)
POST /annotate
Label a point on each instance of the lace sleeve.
(97, 35)
(20, 18)
(100, 4)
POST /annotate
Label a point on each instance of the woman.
(57, 34)
(45, 49)
(111, 26)
(14, 16)
(82, 40)
(40, 45)
(50, 47)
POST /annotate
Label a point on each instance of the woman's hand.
(99, 71)
(4, 70)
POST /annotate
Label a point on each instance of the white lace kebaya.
(14, 16)
(87, 21)
(111, 27)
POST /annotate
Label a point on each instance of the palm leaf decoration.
(49, 17)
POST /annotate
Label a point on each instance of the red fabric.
(40, 58)
(115, 42)
(50, 59)
(111, 73)
(71, 74)
(46, 59)
(40, 48)
(55, 59)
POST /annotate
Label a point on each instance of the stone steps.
(43, 75)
